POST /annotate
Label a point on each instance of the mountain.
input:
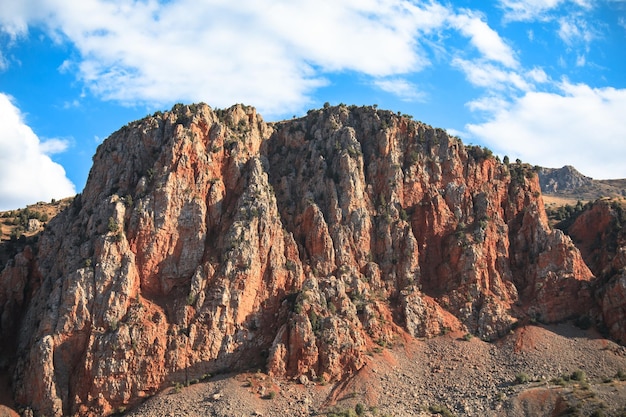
(566, 179)
(569, 183)
(208, 241)
(598, 230)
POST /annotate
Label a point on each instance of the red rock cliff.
(209, 240)
(599, 233)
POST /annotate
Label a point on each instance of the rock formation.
(208, 240)
(598, 232)
(559, 180)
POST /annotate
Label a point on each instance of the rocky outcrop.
(208, 240)
(562, 180)
(567, 182)
(598, 232)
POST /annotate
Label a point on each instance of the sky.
(539, 80)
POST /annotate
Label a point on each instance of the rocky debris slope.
(208, 240)
(526, 373)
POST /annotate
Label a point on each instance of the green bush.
(522, 378)
(578, 375)
(440, 409)
(112, 225)
(342, 413)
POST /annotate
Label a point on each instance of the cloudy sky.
(539, 80)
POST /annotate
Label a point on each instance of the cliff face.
(598, 232)
(209, 240)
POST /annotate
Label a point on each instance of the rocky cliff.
(598, 231)
(562, 180)
(208, 240)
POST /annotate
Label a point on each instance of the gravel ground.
(419, 377)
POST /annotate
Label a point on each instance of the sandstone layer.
(208, 241)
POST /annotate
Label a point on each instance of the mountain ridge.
(570, 183)
(205, 239)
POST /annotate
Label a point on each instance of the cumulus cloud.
(483, 74)
(400, 87)
(485, 39)
(276, 54)
(488, 104)
(577, 125)
(14, 17)
(273, 54)
(270, 54)
(27, 174)
(52, 146)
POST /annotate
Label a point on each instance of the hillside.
(208, 242)
(19, 228)
(527, 373)
(568, 185)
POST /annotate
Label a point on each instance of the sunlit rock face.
(209, 240)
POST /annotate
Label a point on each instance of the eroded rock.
(207, 240)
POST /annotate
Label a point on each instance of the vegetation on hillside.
(16, 230)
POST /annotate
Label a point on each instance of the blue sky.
(539, 80)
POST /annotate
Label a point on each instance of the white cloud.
(275, 54)
(489, 104)
(52, 146)
(574, 31)
(272, 54)
(27, 174)
(528, 10)
(524, 10)
(485, 39)
(482, 74)
(400, 87)
(14, 16)
(579, 125)
(538, 75)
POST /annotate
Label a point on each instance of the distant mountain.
(568, 182)
(566, 179)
